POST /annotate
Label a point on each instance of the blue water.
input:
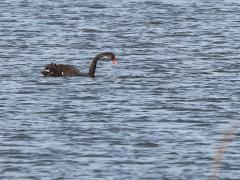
(160, 113)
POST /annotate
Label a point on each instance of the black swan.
(57, 70)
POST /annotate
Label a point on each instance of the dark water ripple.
(158, 114)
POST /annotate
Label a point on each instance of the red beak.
(115, 61)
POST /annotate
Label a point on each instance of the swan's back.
(56, 70)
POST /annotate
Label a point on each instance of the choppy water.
(158, 114)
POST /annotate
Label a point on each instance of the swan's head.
(108, 55)
(49, 70)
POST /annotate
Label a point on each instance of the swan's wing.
(61, 70)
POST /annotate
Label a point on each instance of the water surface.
(158, 114)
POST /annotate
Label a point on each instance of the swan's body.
(57, 70)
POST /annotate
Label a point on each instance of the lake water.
(160, 113)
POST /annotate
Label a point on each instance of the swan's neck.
(93, 66)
